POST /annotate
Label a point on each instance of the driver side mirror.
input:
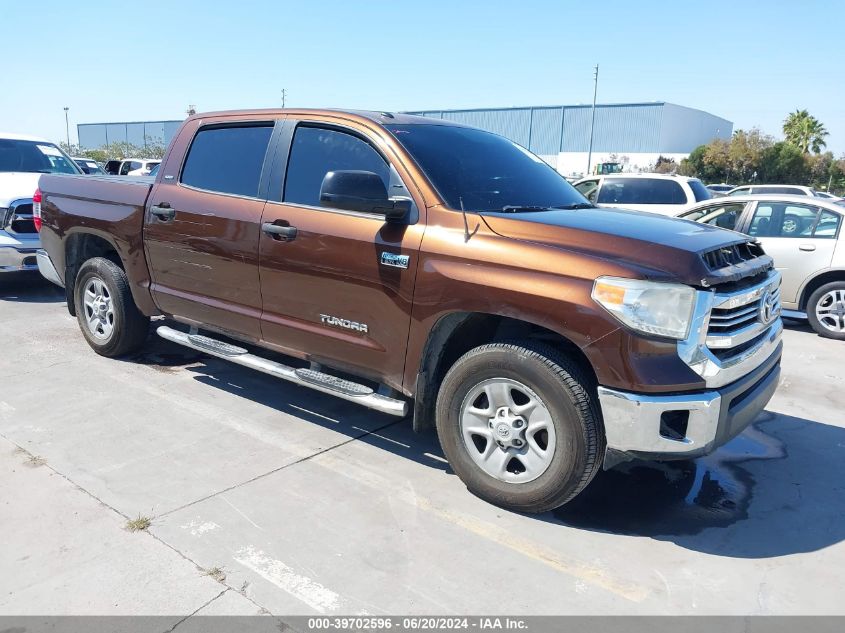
(364, 191)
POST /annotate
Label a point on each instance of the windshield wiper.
(577, 205)
(519, 208)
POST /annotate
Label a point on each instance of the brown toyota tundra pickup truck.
(432, 270)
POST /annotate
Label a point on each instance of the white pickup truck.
(22, 161)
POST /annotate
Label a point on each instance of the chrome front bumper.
(48, 271)
(683, 426)
(14, 258)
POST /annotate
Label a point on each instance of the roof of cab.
(380, 117)
(23, 137)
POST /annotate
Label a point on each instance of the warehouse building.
(635, 134)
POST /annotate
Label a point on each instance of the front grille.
(740, 320)
(19, 217)
(732, 255)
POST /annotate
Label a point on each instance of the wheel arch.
(814, 283)
(456, 333)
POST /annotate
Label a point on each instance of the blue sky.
(750, 62)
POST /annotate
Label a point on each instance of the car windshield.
(34, 156)
(482, 171)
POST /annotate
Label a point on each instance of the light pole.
(67, 128)
(593, 121)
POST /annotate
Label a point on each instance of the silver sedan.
(804, 237)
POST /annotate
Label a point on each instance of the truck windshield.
(485, 171)
(34, 156)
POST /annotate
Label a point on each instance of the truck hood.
(15, 185)
(658, 247)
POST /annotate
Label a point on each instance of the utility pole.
(67, 128)
(593, 121)
(284, 92)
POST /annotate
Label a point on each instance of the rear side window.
(227, 159)
(317, 151)
(699, 190)
(740, 191)
(623, 191)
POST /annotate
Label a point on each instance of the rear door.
(340, 290)
(203, 224)
(799, 237)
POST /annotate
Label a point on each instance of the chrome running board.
(332, 385)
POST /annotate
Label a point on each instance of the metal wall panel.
(96, 135)
(514, 124)
(684, 129)
(546, 128)
(91, 136)
(619, 128)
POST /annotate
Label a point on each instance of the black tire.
(129, 328)
(813, 302)
(568, 395)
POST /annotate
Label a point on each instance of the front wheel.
(519, 425)
(826, 310)
(107, 314)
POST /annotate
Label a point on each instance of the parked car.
(112, 167)
(22, 160)
(89, 166)
(720, 190)
(137, 167)
(791, 190)
(804, 236)
(826, 195)
(658, 193)
(416, 265)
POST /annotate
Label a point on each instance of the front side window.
(316, 151)
(588, 189)
(724, 216)
(227, 159)
(125, 168)
(483, 171)
(34, 157)
(621, 191)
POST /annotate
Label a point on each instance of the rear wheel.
(826, 310)
(519, 425)
(107, 314)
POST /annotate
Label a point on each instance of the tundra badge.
(344, 323)
(394, 260)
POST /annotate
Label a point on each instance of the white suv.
(137, 167)
(658, 193)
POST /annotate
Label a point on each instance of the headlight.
(655, 308)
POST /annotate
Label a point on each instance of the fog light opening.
(673, 425)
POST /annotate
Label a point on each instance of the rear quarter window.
(227, 159)
(699, 191)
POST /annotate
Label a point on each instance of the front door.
(337, 284)
(202, 228)
(799, 237)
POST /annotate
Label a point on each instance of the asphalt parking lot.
(265, 497)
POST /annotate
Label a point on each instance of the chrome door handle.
(807, 247)
(163, 212)
(279, 231)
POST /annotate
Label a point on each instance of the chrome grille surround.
(729, 335)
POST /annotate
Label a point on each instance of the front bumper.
(686, 425)
(17, 255)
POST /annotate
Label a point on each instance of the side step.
(316, 380)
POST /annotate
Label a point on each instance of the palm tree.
(804, 131)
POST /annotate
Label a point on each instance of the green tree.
(804, 131)
(783, 163)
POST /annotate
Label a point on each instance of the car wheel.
(520, 426)
(107, 314)
(826, 310)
